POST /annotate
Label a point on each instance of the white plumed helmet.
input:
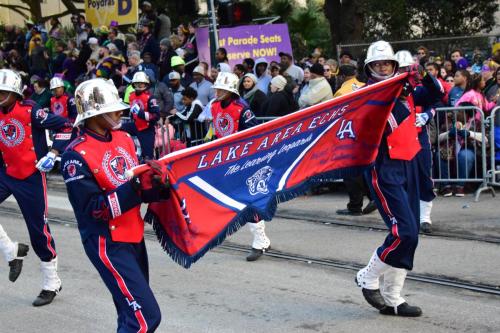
(404, 58)
(56, 82)
(227, 81)
(379, 51)
(11, 81)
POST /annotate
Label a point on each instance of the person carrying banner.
(25, 160)
(231, 114)
(107, 204)
(394, 185)
(427, 95)
(145, 112)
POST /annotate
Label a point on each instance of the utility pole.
(212, 31)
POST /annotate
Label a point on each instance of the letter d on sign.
(124, 7)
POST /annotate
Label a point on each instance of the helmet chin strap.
(114, 124)
(222, 96)
(2, 103)
(379, 77)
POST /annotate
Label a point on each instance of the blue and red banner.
(219, 186)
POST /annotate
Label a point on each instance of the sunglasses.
(450, 80)
(421, 53)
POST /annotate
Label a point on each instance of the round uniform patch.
(58, 108)
(71, 169)
(12, 132)
(224, 124)
(115, 164)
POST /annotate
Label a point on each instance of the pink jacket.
(476, 99)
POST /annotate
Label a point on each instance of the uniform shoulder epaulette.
(76, 142)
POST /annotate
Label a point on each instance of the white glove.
(47, 162)
(422, 119)
(135, 109)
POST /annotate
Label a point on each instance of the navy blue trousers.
(124, 269)
(424, 161)
(31, 196)
(394, 185)
(146, 139)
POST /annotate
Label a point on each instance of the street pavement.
(224, 293)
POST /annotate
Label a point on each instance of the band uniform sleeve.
(247, 119)
(89, 201)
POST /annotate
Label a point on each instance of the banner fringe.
(245, 216)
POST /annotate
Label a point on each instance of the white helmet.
(11, 81)
(228, 82)
(96, 97)
(56, 83)
(404, 58)
(378, 51)
(140, 77)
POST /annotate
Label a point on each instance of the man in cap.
(145, 112)
(25, 160)
(202, 86)
(107, 204)
(174, 80)
(294, 71)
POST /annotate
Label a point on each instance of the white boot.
(368, 277)
(368, 280)
(394, 279)
(7, 246)
(51, 280)
(425, 211)
(260, 240)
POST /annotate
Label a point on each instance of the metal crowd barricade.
(450, 165)
(494, 170)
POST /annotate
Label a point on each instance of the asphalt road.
(224, 293)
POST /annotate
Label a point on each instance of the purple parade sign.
(247, 41)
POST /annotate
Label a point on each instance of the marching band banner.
(218, 187)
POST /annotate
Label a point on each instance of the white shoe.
(260, 239)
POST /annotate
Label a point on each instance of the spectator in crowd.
(263, 78)
(148, 43)
(58, 58)
(462, 63)
(473, 95)
(249, 64)
(332, 80)
(442, 72)
(275, 70)
(319, 89)
(295, 72)
(203, 88)
(97, 53)
(221, 56)
(178, 65)
(250, 92)
(456, 55)
(166, 54)
(348, 80)
(16, 62)
(190, 48)
(163, 25)
(477, 62)
(462, 79)
(346, 58)
(422, 55)
(305, 84)
(493, 91)
(450, 67)
(488, 77)
(213, 74)
(39, 59)
(160, 91)
(135, 65)
(176, 88)
(280, 101)
(433, 70)
(450, 80)
(190, 128)
(321, 60)
(89, 74)
(41, 95)
(239, 70)
(70, 67)
(147, 15)
(334, 66)
(147, 62)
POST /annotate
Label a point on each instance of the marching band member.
(107, 204)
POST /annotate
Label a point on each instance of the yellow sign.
(102, 12)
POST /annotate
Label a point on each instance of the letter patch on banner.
(346, 129)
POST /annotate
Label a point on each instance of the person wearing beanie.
(203, 88)
(252, 94)
(280, 101)
(319, 88)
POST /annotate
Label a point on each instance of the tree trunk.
(346, 21)
(35, 9)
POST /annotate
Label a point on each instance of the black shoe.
(16, 265)
(372, 296)
(256, 253)
(426, 227)
(349, 212)
(370, 208)
(403, 310)
(46, 297)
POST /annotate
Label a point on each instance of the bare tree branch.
(66, 12)
(17, 9)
